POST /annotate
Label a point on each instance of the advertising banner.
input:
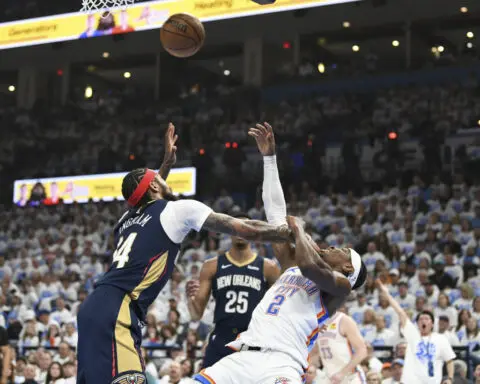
(80, 189)
(139, 17)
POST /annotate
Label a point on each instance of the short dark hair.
(130, 183)
(426, 312)
(362, 276)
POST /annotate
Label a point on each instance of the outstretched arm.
(178, 218)
(402, 315)
(312, 265)
(252, 230)
(170, 157)
(272, 193)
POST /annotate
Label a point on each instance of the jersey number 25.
(237, 303)
(121, 254)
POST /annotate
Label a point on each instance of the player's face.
(337, 258)
(165, 190)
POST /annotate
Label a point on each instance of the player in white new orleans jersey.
(342, 348)
(286, 323)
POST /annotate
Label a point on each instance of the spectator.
(425, 357)
(55, 374)
(397, 369)
(29, 375)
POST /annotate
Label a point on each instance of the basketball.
(182, 35)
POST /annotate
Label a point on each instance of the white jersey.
(336, 351)
(287, 319)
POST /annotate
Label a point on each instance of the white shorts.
(252, 367)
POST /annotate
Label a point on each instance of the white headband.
(357, 266)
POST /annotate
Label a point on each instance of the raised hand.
(171, 138)
(264, 137)
(170, 156)
(192, 288)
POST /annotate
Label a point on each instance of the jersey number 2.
(274, 307)
(121, 254)
(236, 303)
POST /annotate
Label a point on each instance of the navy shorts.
(109, 339)
(216, 349)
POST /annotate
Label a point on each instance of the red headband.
(141, 188)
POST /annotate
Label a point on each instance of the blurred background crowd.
(386, 163)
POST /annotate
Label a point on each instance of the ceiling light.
(346, 24)
(127, 75)
(395, 43)
(355, 48)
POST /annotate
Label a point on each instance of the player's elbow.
(361, 350)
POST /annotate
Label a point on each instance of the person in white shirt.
(61, 315)
(387, 312)
(175, 375)
(444, 308)
(382, 336)
(405, 299)
(358, 309)
(372, 256)
(374, 363)
(427, 351)
(64, 354)
(444, 329)
(397, 370)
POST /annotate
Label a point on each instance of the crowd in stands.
(422, 240)
(93, 137)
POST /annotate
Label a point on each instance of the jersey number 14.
(121, 254)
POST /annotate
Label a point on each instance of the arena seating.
(51, 256)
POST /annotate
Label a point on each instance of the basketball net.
(104, 5)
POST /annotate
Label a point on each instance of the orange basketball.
(182, 35)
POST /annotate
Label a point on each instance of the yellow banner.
(143, 16)
(80, 189)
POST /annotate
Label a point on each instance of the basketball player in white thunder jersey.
(285, 324)
(342, 349)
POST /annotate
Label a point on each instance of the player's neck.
(241, 255)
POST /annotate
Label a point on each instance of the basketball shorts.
(216, 348)
(109, 339)
(252, 367)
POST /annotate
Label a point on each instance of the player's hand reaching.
(171, 138)
(192, 288)
(264, 137)
(295, 224)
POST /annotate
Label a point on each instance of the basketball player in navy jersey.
(237, 280)
(147, 242)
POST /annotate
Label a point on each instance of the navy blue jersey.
(144, 257)
(237, 291)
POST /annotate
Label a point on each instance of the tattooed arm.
(252, 230)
